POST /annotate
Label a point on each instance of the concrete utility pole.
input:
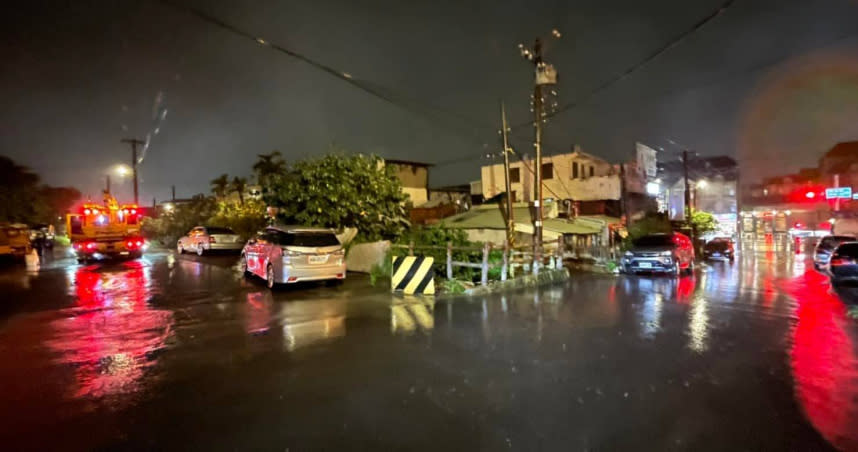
(107, 183)
(624, 208)
(510, 217)
(687, 186)
(537, 145)
(173, 193)
(134, 143)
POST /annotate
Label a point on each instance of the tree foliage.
(220, 185)
(651, 223)
(244, 218)
(24, 200)
(267, 167)
(171, 225)
(703, 222)
(239, 186)
(339, 191)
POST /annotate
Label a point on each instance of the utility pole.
(107, 183)
(544, 74)
(687, 186)
(510, 217)
(624, 208)
(134, 143)
(537, 144)
(173, 192)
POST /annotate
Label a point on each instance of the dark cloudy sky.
(774, 82)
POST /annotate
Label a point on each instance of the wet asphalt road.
(181, 353)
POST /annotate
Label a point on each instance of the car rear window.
(654, 240)
(832, 241)
(220, 231)
(848, 249)
(308, 239)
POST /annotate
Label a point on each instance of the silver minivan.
(285, 255)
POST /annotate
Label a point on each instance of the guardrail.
(522, 256)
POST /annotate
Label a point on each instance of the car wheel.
(690, 269)
(269, 277)
(200, 250)
(676, 271)
(244, 270)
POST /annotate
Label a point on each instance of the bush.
(383, 271)
(245, 219)
(438, 237)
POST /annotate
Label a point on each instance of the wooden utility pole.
(537, 145)
(107, 183)
(510, 216)
(134, 143)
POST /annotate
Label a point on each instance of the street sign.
(838, 193)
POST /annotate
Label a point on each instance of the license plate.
(716, 254)
(645, 265)
(318, 259)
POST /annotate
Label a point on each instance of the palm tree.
(220, 185)
(268, 165)
(239, 185)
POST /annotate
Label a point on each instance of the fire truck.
(107, 229)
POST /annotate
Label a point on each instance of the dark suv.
(826, 246)
(665, 253)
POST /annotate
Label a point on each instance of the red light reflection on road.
(110, 338)
(824, 360)
(257, 317)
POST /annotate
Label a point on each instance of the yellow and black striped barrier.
(413, 275)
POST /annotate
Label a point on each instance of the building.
(581, 182)
(414, 177)
(804, 203)
(714, 188)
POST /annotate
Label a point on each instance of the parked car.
(719, 248)
(18, 236)
(667, 253)
(293, 254)
(202, 239)
(826, 246)
(843, 265)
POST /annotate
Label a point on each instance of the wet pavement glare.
(182, 353)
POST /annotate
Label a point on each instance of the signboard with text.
(838, 193)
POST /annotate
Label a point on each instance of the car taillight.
(91, 245)
(139, 243)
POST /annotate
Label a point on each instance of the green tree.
(24, 200)
(239, 185)
(171, 225)
(245, 219)
(267, 167)
(339, 191)
(220, 185)
(703, 222)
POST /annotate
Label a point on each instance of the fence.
(522, 256)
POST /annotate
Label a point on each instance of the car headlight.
(629, 254)
(666, 253)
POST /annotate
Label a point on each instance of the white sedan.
(202, 239)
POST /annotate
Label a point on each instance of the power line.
(372, 89)
(649, 58)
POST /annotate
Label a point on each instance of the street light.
(122, 170)
(702, 184)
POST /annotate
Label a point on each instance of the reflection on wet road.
(178, 352)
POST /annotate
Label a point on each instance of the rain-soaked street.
(179, 352)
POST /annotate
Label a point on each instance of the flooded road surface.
(182, 353)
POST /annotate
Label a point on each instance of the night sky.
(773, 82)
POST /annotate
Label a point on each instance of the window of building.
(548, 171)
(574, 170)
(592, 171)
(514, 175)
(514, 196)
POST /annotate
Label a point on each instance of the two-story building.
(414, 177)
(589, 184)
